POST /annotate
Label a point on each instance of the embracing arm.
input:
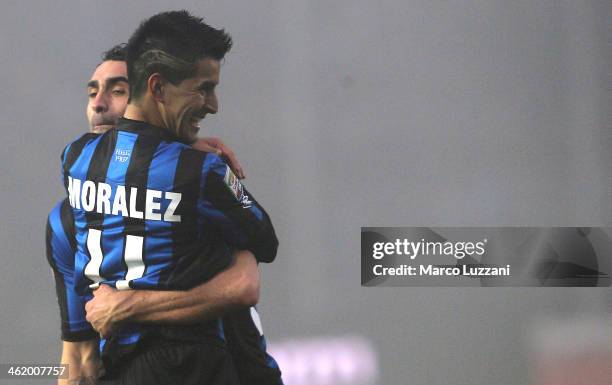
(234, 287)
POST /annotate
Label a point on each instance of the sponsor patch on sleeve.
(234, 185)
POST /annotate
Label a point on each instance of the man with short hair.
(108, 94)
(100, 116)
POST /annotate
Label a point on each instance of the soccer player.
(98, 124)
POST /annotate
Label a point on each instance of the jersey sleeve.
(60, 255)
(229, 208)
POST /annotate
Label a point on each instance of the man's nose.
(211, 104)
(100, 103)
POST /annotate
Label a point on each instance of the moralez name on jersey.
(96, 196)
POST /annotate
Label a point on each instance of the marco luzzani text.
(411, 250)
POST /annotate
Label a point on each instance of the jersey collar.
(140, 127)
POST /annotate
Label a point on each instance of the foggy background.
(347, 114)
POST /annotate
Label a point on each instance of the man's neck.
(145, 112)
(135, 111)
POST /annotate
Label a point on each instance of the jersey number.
(132, 257)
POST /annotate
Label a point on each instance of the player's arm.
(232, 211)
(80, 340)
(237, 286)
(83, 362)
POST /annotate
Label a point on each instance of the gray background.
(346, 114)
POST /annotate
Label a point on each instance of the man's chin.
(190, 134)
(102, 128)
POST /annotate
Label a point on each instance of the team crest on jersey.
(122, 155)
(234, 185)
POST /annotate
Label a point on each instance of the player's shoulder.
(214, 165)
(84, 138)
(76, 146)
(212, 160)
(218, 173)
(200, 161)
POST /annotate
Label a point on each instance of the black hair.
(171, 43)
(118, 53)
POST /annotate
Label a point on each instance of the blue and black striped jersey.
(242, 328)
(61, 247)
(153, 213)
(134, 192)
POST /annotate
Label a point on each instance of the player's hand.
(101, 310)
(217, 146)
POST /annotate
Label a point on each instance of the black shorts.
(177, 363)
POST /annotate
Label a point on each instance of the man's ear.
(157, 85)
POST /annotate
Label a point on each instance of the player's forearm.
(234, 287)
(83, 363)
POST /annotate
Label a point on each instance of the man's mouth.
(195, 120)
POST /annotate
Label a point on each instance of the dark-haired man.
(192, 307)
(108, 94)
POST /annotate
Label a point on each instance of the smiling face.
(187, 103)
(108, 93)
